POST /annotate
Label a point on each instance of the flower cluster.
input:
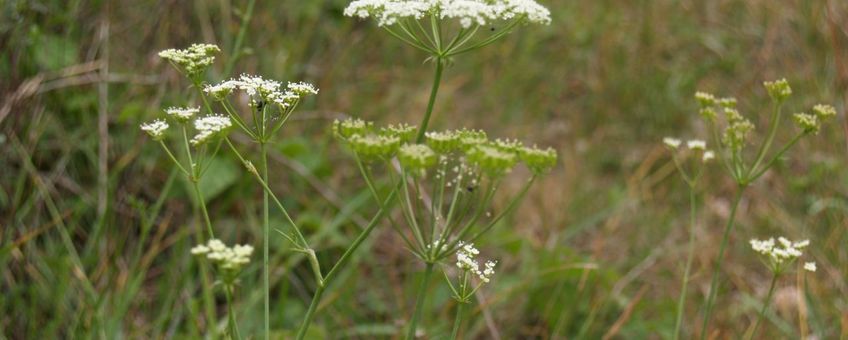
(269, 91)
(466, 12)
(156, 129)
(493, 157)
(811, 123)
(229, 260)
(210, 127)
(182, 114)
(781, 253)
(193, 60)
(466, 261)
(695, 145)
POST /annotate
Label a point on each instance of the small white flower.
(302, 88)
(208, 127)
(182, 114)
(488, 272)
(199, 249)
(780, 253)
(696, 144)
(708, 156)
(466, 12)
(810, 266)
(156, 129)
(673, 143)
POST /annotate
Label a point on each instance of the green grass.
(596, 249)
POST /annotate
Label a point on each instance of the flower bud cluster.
(811, 123)
(494, 158)
(193, 60)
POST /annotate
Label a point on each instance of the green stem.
(716, 272)
(765, 305)
(196, 186)
(341, 263)
(263, 151)
(761, 154)
(422, 129)
(419, 301)
(776, 157)
(682, 300)
(457, 321)
(231, 315)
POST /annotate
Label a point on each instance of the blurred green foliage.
(595, 251)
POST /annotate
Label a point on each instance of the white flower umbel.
(302, 88)
(209, 127)
(779, 254)
(229, 260)
(466, 262)
(673, 143)
(466, 12)
(156, 129)
(193, 60)
(697, 144)
(182, 114)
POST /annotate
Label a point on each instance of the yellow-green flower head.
(509, 145)
(778, 90)
(404, 132)
(727, 103)
(192, 61)
(346, 128)
(210, 127)
(472, 138)
(182, 114)
(492, 160)
(807, 122)
(539, 161)
(444, 142)
(417, 157)
(737, 131)
(824, 112)
(705, 99)
(373, 147)
(156, 129)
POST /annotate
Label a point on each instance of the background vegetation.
(95, 231)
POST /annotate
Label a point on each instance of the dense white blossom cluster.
(156, 129)
(268, 90)
(182, 114)
(466, 12)
(230, 258)
(209, 127)
(192, 60)
(781, 252)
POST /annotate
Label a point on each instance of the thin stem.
(419, 301)
(716, 272)
(201, 202)
(231, 315)
(437, 79)
(263, 151)
(776, 157)
(761, 154)
(765, 305)
(457, 321)
(174, 159)
(682, 300)
(316, 298)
